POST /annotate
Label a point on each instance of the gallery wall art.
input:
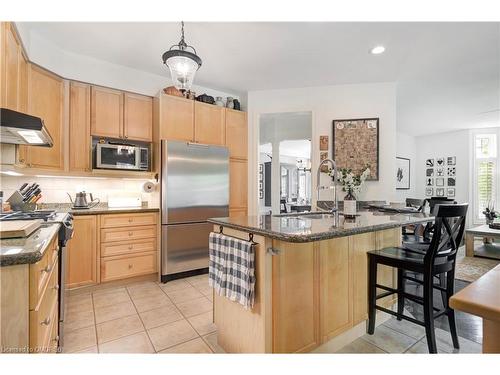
(355, 145)
(440, 177)
(402, 173)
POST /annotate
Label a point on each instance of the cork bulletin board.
(355, 145)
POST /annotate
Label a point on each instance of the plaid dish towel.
(232, 268)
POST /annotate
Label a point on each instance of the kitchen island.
(311, 280)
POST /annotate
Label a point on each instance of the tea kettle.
(81, 200)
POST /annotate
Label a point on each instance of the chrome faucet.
(334, 186)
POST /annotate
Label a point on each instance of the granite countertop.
(101, 208)
(319, 226)
(27, 249)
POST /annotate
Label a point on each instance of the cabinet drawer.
(41, 271)
(120, 267)
(128, 247)
(44, 315)
(124, 220)
(131, 233)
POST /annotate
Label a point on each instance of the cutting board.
(18, 228)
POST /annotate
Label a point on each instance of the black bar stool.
(439, 259)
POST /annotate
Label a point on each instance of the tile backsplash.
(54, 189)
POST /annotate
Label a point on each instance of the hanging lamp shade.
(183, 64)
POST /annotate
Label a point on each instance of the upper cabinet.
(106, 112)
(116, 114)
(79, 127)
(46, 100)
(138, 117)
(209, 124)
(237, 134)
(14, 70)
(176, 118)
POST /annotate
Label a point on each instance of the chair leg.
(450, 287)
(372, 293)
(429, 313)
(401, 289)
(444, 294)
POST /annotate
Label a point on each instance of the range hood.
(22, 129)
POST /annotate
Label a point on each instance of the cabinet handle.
(130, 266)
(45, 322)
(130, 233)
(126, 137)
(47, 269)
(21, 160)
(56, 339)
(56, 287)
(130, 220)
(130, 247)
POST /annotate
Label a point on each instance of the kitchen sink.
(308, 215)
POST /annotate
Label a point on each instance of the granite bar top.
(27, 249)
(319, 226)
(101, 208)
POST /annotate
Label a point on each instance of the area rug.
(472, 268)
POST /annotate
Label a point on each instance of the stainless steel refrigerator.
(194, 187)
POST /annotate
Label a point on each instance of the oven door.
(117, 156)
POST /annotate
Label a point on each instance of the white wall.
(87, 69)
(326, 104)
(406, 147)
(54, 189)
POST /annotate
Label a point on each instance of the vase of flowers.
(351, 184)
(490, 214)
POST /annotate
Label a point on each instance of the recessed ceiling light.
(377, 50)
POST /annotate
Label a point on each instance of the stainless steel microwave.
(111, 156)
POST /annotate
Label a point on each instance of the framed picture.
(452, 171)
(323, 156)
(451, 160)
(429, 172)
(450, 192)
(439, 171)
(429, 192)
(429, 182)
(451, 181)
(440, 192)
(440, 162)
(355, 145)
(323, 143)
(439, 181)
(402, 173)
(261, 168)
(429, 163)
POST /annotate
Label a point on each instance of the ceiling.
(447, 74)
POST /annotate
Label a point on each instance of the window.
(485, 172)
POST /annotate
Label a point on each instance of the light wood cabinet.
(209, 124)
(124, 220)
(106, 112)
(238, 184)
(176, 118)
(120, 267)
(138, 117)
(46, 100)
(300, 261)
(237, 134)
(82, 252)
(79, 127)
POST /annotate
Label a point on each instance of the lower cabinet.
(82, 252)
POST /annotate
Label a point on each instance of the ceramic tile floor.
(146, 317)
(176, 317)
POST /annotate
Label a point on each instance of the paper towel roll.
(149, 187)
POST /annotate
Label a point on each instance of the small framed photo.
(439, 181)
(323, 143)
(261, 194)
(261, 168)
(439, 171)
(440, 162)
(429, 182)
(440, 192)
(429, 172)
(450, 192)
(402, 173)
(451, 160)
(452, 171)
(323, 156)
(451, 181)
(260, 186)
(429, 192)
(429, 162)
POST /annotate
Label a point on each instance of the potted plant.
(490, 213)
(351, 184)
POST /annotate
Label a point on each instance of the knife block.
(17, 204)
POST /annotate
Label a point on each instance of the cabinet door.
(82, 252)
(176, 118)
(22, 98)
(209, 124)
(10, 66)
(238, 184)
(106, 112)
(360, 245)
(79, 127)
(295, 298)
(138, 117)
(237, 134)
(46, 101)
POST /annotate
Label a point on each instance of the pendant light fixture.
(182, 63)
